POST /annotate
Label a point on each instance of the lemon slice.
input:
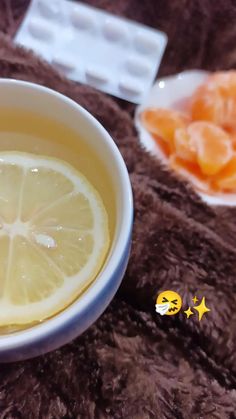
(53, 236)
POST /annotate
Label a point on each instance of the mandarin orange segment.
(183, 146)
(215, 100)
(163, 123)
(233, 140)
(190, 171)
(226, 179)
(206, 106)
(162, 145)
(224, 81)
(213, 146)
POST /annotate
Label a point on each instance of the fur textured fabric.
(132, 363)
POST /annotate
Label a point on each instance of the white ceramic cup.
(76, 318)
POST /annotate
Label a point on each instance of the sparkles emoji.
(188, 312)
(201, 309)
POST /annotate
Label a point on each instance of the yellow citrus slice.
(54, 236)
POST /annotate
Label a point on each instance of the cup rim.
(46, 328)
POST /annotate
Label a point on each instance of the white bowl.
(71, 322)
(169, 93)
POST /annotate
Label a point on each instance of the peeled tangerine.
(162, 124)
(215, 101)
(183, 147)
(226, 179)
(203, 150)
(212, 146)
(191, 171)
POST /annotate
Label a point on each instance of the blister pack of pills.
(115, 55)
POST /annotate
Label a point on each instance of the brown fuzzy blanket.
(133, 363)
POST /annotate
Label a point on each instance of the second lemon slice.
(54, 236)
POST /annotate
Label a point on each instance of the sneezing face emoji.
(169, 303)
